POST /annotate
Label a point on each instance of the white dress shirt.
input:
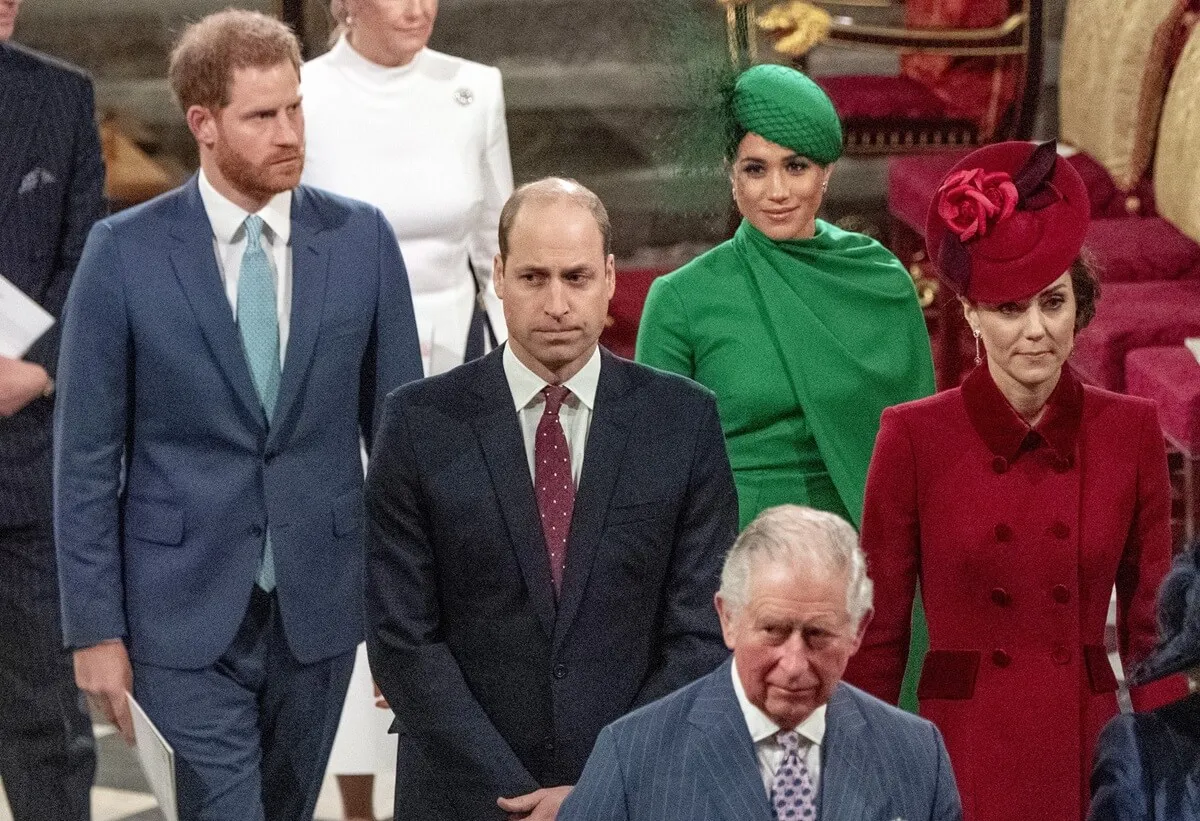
(767, 749)
(575, 416)
(229, 244)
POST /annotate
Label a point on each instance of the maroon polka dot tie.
(552, 481)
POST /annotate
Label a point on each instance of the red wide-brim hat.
(1007, 220)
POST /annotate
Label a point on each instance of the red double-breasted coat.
(1017, 536)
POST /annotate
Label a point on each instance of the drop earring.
(978, 358)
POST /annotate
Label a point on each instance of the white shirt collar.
(525, 385)
(226, 217)
(762, 728)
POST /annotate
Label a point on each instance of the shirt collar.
(525, 385)
(226, 217)
(762, 728)
(1003, 430)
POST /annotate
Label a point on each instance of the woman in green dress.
(805, 332)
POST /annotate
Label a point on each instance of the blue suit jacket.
(51, 192)
(689, 757)
(500, 688)
(1147, 766)
(166, 469)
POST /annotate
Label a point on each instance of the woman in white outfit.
(422, 136)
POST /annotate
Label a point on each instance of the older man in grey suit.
(774, 733)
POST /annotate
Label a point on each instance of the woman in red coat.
(1018, 500)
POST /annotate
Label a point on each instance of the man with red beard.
(225, 346)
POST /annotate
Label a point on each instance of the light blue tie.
(258, 324)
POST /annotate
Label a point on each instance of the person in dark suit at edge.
(51, 191)
(225, 347)
(546, 531)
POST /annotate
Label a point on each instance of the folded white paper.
(1193, 345)
(22, 321)
(157, 759)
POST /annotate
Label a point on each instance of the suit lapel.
(721, 752)
(19, 110)
(499, 431)
(195, 266)
(310, 274)
(846, 781)
(602, 462)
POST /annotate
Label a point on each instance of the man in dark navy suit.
(51, 191)
(225, 346)
(547, 526)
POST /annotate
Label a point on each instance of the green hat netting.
(784, 106)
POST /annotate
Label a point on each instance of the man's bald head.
(548, 191)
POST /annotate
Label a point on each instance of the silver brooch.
(464, 96)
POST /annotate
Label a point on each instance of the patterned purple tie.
(792, 795)
(552, 481)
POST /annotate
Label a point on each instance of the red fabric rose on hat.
(971, 201)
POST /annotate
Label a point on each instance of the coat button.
(1000, 464)
(1000, 596)
(256, 531)
(1004, 533)
(1061, 593)
(1060, 654)
(1062, 464)
(1000, 658)
(560, 671)
(1060, 530)
(548, 744)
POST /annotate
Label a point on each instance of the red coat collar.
(1006, 434)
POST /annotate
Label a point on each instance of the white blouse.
(427, 144)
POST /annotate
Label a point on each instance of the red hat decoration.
(1008, 220)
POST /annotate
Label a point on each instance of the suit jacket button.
(1061, 593)
(560, 671)
(1061, 655)
(1004, 533)
(1000, 464)
(1062, 464)
(1000, 658)
(256, 531)
(1000, 596)
(1060, 530)
(548, 745)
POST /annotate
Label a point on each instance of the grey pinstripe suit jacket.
(51, 191)
(689, 757)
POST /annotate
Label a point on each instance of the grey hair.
(802, 537)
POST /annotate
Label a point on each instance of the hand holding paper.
(20, 384)
(22, 321)
(103, 672)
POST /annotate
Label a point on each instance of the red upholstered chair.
(970, 72)
(1132, 315)
(1114, 78)
(625, 310)
(1171, 377)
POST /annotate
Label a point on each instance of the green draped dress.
(804, 343)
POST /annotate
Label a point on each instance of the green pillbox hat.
(784, 106)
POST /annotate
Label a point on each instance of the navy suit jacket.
(500, 689)
(689, 757)
(166, 469)
(1147, 765)
(51, 192)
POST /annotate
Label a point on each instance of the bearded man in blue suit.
(774, 734)
(225, 348)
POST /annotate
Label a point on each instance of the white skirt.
(362, 745)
